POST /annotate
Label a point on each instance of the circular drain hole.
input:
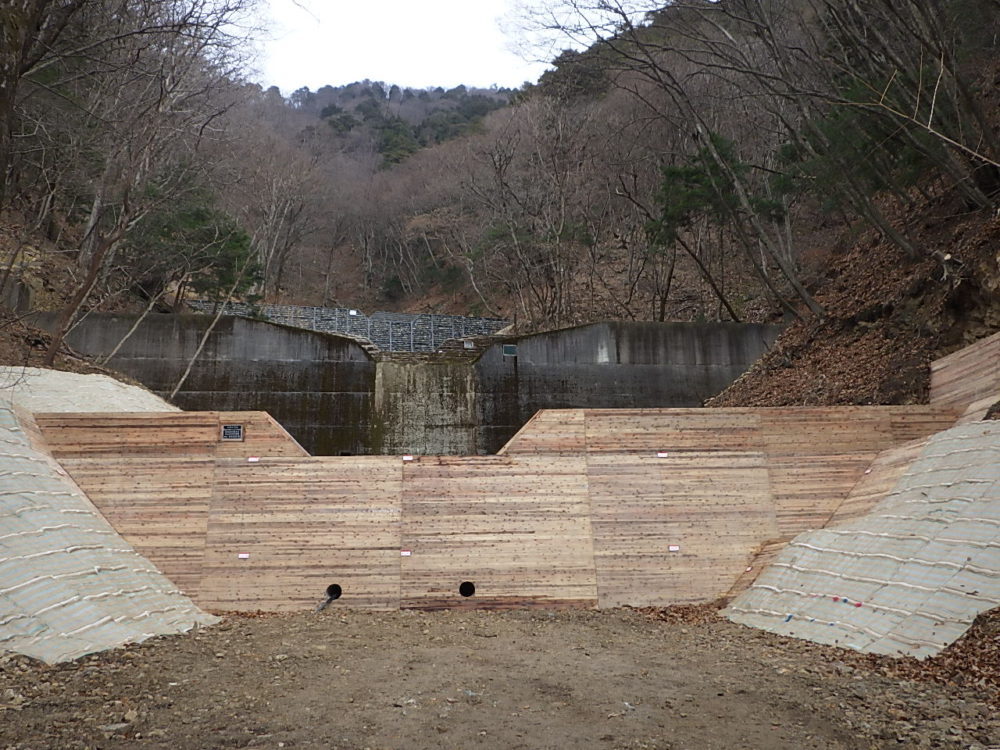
(467, 588)
(333, 591)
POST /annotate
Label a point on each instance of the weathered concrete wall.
(335, 399)
(455, 407)
(612, 365)
(424, 406)
(318, 386)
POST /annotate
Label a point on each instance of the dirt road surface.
(476, 679)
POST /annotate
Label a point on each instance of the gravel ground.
(464, 679)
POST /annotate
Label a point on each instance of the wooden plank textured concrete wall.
(969, 375)
(160, 504)
(678, 528)
(33, 432)
(160, 434)
(814, 456)
(516, 527)
(281, 530)
(164, 434)
(876, 482)
(264, 436)
(689, 477)
(152, 475)
(651, 430)
(550, 432)
(304, 524)
(581, 509)
(664, 487)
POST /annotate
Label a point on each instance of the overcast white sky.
(416, 43)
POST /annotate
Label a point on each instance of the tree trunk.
(84, 289)
(208, 332)
(135, 326)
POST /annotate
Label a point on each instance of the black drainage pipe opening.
(467, 588)
(333, 591)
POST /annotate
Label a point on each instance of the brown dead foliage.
(887, 317)
(973, 661)
(686, 614)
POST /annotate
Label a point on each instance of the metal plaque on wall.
(232, 432)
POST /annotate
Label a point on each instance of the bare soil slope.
(887, 316)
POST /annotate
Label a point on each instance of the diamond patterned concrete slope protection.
(36, 389)
(907, 578)
(69, 584)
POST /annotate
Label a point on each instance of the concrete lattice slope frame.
(69, 584)
(909, 577)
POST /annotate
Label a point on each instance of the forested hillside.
(704, 163)
(397, 122)
(825, 162)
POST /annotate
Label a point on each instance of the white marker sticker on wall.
(662, 454)
(405, 553)
(244, 555)
(253, 460)
(674, 548)
(407, 458)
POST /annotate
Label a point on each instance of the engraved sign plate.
(232, 433)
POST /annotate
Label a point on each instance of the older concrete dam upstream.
(340, 396)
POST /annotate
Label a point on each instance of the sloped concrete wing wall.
(610, 366)
(69, 583)
(907, 578)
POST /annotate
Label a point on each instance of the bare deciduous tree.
(147, 81)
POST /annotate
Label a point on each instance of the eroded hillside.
(887, 316)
